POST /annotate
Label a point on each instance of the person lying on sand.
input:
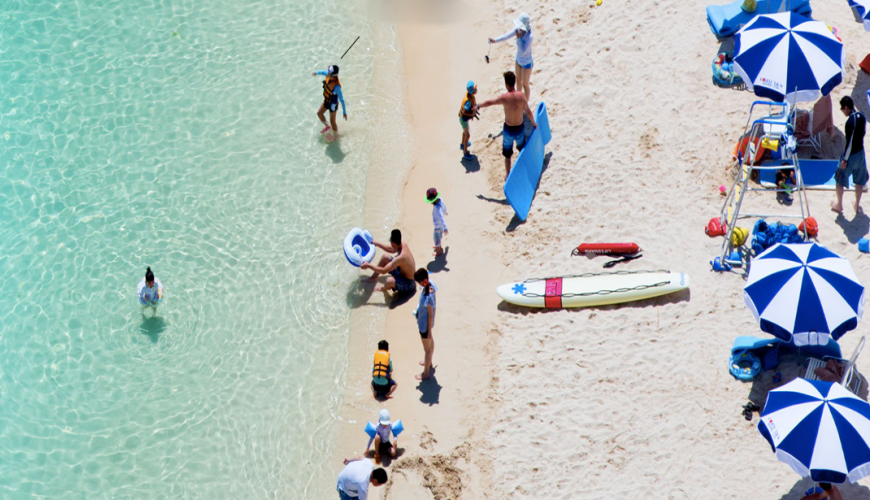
(515, 104)
(400, 268)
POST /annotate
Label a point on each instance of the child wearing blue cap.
(467, 111)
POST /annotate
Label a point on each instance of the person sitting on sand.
(853, 161)
(331, 97)
(400, 268)
(425, 313)
(467, 111)
(383, 384)
(523, 33)
(514, 130)
(829, 491)
(382, 437)
(784, 175)
(355, 478)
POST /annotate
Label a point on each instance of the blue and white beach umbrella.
(863, 9)
(820, 429)
(805, 292)
(787, 55)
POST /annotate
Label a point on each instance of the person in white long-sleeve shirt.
(439, 210)
(523, 33)
(355, 478)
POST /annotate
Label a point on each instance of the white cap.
(384, 418)
(523, 22)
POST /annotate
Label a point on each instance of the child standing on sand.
(439, 210)
(467, 111)
(425, 313)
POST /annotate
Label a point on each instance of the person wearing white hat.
(523, 33)
(382, 438)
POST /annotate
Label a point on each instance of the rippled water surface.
(181, 136)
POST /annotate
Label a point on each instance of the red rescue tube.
(606, 249)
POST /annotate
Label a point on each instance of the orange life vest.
(464, 113)
(329, 85)
(381, 365)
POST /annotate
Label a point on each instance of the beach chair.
(809, 125)
(850, 379)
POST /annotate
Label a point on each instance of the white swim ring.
(141, 287)
(358, 247)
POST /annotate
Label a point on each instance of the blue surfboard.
(522, 182)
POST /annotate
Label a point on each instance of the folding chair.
(849, 377)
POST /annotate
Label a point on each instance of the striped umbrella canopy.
(863, 8)
(804, 292)
(788, 56)
(818, 428)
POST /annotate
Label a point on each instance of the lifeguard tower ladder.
(768, 133)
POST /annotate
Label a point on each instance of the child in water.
(150, 290)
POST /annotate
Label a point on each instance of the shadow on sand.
(430, 389)
(856, 228)
(439, 263)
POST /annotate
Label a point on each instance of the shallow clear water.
(181, 136)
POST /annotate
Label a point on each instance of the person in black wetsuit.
(853, 161)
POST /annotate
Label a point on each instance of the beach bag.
(738, 236)
(715, 227)
(811, 228)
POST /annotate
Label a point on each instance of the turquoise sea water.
(181, 136)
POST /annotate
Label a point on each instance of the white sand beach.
(625, 401)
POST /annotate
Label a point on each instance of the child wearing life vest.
(383, 384)
(331, 97)
(382, 437)
(467, 111)
(439, 210)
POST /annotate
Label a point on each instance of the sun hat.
(384, 418)
(523, 22)
(432, 195)
(470, 86)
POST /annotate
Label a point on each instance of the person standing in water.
(150, 290)
(514, 130)
(331, 97)
(523, 33)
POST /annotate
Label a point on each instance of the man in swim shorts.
(400, 268)
(853, 161)
(515, 104)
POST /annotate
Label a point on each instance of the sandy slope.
(622, 401)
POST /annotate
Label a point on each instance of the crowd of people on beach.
(398, 262)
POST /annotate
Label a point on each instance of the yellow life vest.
(381, 365)
(329, 85)
(465, 114)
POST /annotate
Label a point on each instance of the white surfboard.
(592, 289)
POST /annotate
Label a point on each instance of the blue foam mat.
(817, 174)
(726, 20)
(522, 182)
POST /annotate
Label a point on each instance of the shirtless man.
(400, 268)
(515, 104)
